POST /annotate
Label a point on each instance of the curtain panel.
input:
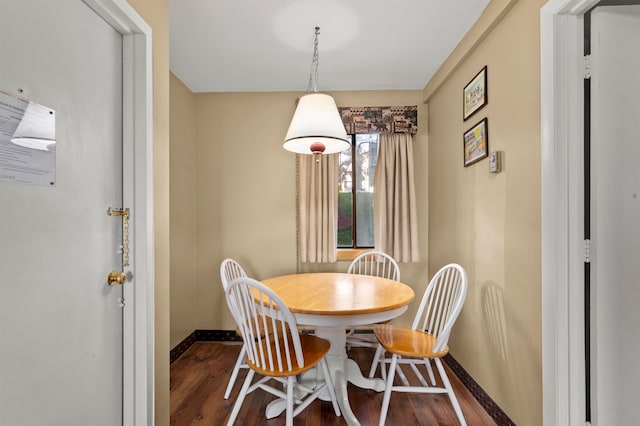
(395, 213)
(317, 208)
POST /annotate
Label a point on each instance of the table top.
(339, 293)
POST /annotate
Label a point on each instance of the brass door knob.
(116, 278)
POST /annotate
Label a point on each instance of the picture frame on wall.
(474, 94)
(476, 143)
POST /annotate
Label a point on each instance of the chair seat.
(314, 348)
(407, 342)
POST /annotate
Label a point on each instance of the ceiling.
(267, 45)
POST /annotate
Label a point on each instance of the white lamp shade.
(316, 122)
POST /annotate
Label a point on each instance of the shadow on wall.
(512, 353)
(494, 318)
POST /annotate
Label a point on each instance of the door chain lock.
(125, 232)
(119, 278)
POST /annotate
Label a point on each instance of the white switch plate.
(495, 161)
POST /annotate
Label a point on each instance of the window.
(356, 172)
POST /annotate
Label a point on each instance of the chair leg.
(419, 375)
(329, 383)
(387, 390)
(241, 395)
(351, 333)
(383, 369)
(400, 374)
(427, 363)
(290, 389)
(234, 373)
(376, 360)
(452, 396)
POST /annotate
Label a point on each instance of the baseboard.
(203, 336)
(490, 406)
(182, 347)
(217, 336)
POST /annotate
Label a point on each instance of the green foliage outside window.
(345, 222)
(365, 219)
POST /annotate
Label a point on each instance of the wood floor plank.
(199, 378)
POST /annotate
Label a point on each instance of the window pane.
(345, 200)
(366, 156)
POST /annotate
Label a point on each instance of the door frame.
(137, 194)
(563, 250)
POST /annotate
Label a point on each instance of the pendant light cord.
(298, 260)
(313, 75)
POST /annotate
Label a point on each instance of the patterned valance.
(391, 119)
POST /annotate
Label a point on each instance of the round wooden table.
(330, 302)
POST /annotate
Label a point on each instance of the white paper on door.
(27, 141)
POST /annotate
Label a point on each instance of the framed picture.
(474, 95)
(476, 143)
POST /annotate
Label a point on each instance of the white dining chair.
(426, 340)
(375, 263)
(229, 270)
(280, 355)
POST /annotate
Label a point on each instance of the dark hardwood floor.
(199, 378)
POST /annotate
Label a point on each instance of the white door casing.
(562, 74)
(53, 59)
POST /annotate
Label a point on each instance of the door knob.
(116, 278)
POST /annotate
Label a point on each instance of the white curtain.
(317, 208)
(395, 216)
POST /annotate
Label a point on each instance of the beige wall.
(490, 223)
(156, 14)
(246, 191)
(182, 169)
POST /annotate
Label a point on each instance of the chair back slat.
(441, 304)
(242, 307)
(230, 269)
(255, 307)
(375, 263)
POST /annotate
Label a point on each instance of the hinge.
(587, 251)
(587, 67)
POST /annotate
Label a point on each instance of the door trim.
(137, 193)
(562, 72)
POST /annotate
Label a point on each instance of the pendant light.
(316, 127)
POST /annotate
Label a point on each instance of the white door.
(615, 233)
(60, 323)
